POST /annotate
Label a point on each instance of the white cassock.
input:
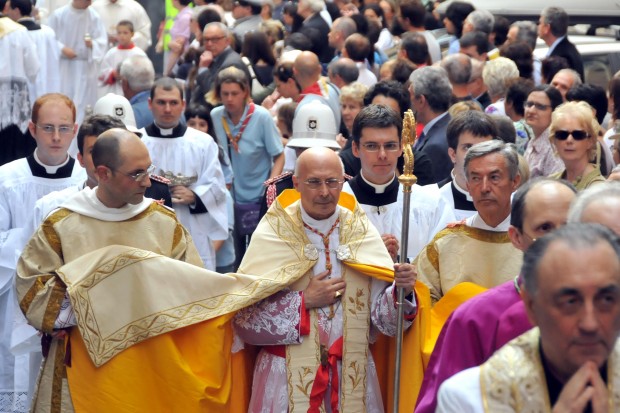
(112, 13)
(461, 393)
(189, 157)
(47, 7)
(111, 62)
(21, 185)
(78, 76)
(48, 79)
(19, 66)
(383, 205)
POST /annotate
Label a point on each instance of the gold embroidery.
(357, 302)
(178, 235)
(53, 306)
(59, 375)
(306, 385)
(50, 233)
(38, 285)
(433, 255)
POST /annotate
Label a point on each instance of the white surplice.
(19, 191)
(48, 79)
(194, 155)
(19, 66)
(78, 76)
(112, 13)
(427, 215)
(111, 62)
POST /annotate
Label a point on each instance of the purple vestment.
(471, 335)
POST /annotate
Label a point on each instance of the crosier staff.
(407, 179)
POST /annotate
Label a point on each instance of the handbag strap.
(246, 61)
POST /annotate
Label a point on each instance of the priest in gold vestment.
(315, 332)
(153, 327)
(478, 249)
(570, 362)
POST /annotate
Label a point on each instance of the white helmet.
(314, 125)
(118, 107)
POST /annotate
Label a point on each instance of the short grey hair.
(578, 236)
(482, 20)
(139, 73)
(345, 68)
(573, 73)
(225, 29)
(527, 32)
(587, 197)
(345, 25)
(557, 19)
(315, 5)
(495, 74)
(507, 150)
(432, 82)
(458, 67)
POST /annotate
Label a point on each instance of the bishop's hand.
(323, 291)
(585, 387)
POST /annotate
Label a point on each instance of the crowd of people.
(223, 231)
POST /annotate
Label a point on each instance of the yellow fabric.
(442, 310)
(7, 26)
(186, 370)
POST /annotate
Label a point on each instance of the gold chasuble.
(280, 238)
(154, 331)
(461, 253)
(513, 380)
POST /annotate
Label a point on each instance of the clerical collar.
(461, 190)
(41, 170)
(157, 132)
(379, 189)
(366, 194)
(476, 221)
(321, 225)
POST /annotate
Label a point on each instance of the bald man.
(307, 72)
(301, 327)
(114, 213)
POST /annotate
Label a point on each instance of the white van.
(599, 12)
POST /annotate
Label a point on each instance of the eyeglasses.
(577, 135)
(538, 106)
(332, 183)
(212, 39)
(63, 130)
(375, 147)
(139, 176)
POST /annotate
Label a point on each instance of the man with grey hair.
(553, 28)
(218, 55)
(316, 28)
(458, 67)
(571, 292)
(564, 80)
(600, 203)
(477, 249)
(137, 77)
(479, 20)
(342, 28)
(431, 94)
(342, 71)
(477, 88)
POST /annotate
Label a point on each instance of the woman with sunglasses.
(573, 134)
(540, 156)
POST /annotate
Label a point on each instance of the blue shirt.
(141, 111)
(258, 145)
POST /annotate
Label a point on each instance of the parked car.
(601, 57)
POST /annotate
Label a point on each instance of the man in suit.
(316, 28)
(217, 55)
(552, 28)
(431, 94)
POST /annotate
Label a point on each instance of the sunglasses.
(577, 135)
(538, 106)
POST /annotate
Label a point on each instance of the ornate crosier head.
(408, 139)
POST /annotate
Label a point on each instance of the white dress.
(112, 13)
(194, 155)
(19, 345)
(78, 76)
(48, 78)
